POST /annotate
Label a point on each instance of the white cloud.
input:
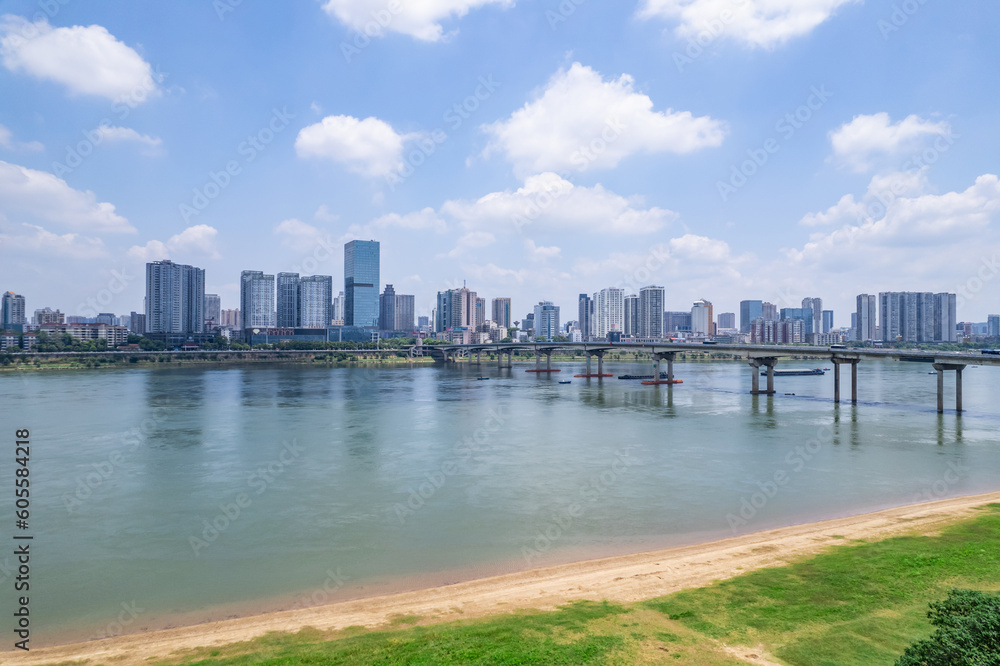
(580, 122)
(43, 242)
(45, 197)
(540, 253)
(548, 202)
(113, 134)
(882, 191)
(420, 19)
(919, 233)
(426, 219)
(88, 60)
(756, 23)
(859, 142)
(370, 147)
(7, 141)
(197, 240)
(471, 240)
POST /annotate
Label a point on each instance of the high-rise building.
(456, 308)
(136, 324)
(405, 306)
(631, 315)
(12, 311)
(750, 310)
(805, 315)
(387, 309)
(945, 316)
(288, 300)
(674, 322)
(816, 305)
(231, 318)
(609, 312)
(501, 312)
(993, 326)
(867, 318)
(175, 298)
(650, 316)
(917, 316)
(315, 301)
(480, 318)
(213, 310)
(586, 317)
(361, 280)
(106, 318)
(546, 320)
(827, 321)
(50, 316)
(702, 319)
(338, 308)
(726, 320)
(257, 300)
(769, 311)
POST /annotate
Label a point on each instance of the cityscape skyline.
(870, 186)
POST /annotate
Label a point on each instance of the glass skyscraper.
(175, 298)
(361, 280)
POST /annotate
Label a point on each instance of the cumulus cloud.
(42, 196)
(755, 23)
(7, 141)
(541, 253)
(197, 240)
(882, 191)
(866, 138)
(113, 134)
(370, 147)
(420, 19)
(88, 60)
(915, 232)
(43, 242)
(550, 202)
(581, 122)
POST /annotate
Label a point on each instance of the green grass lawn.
(859, 603)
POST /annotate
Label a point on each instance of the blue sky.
(725, 149)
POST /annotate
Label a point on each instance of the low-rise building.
(114, 335)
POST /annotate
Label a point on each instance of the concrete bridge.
(758, 356)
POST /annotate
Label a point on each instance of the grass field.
(860, 603)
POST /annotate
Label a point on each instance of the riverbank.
(620, 580)
(97, 360)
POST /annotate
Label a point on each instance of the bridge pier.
(756, 364)
(837, 362)
(660, 356)
(941, 368)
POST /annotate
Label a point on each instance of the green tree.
(968, 632)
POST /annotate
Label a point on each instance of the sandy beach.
(621, 579)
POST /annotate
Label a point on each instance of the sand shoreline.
(623, 579)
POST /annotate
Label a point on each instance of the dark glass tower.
(361, 280)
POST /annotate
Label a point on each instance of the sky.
(534, 149)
